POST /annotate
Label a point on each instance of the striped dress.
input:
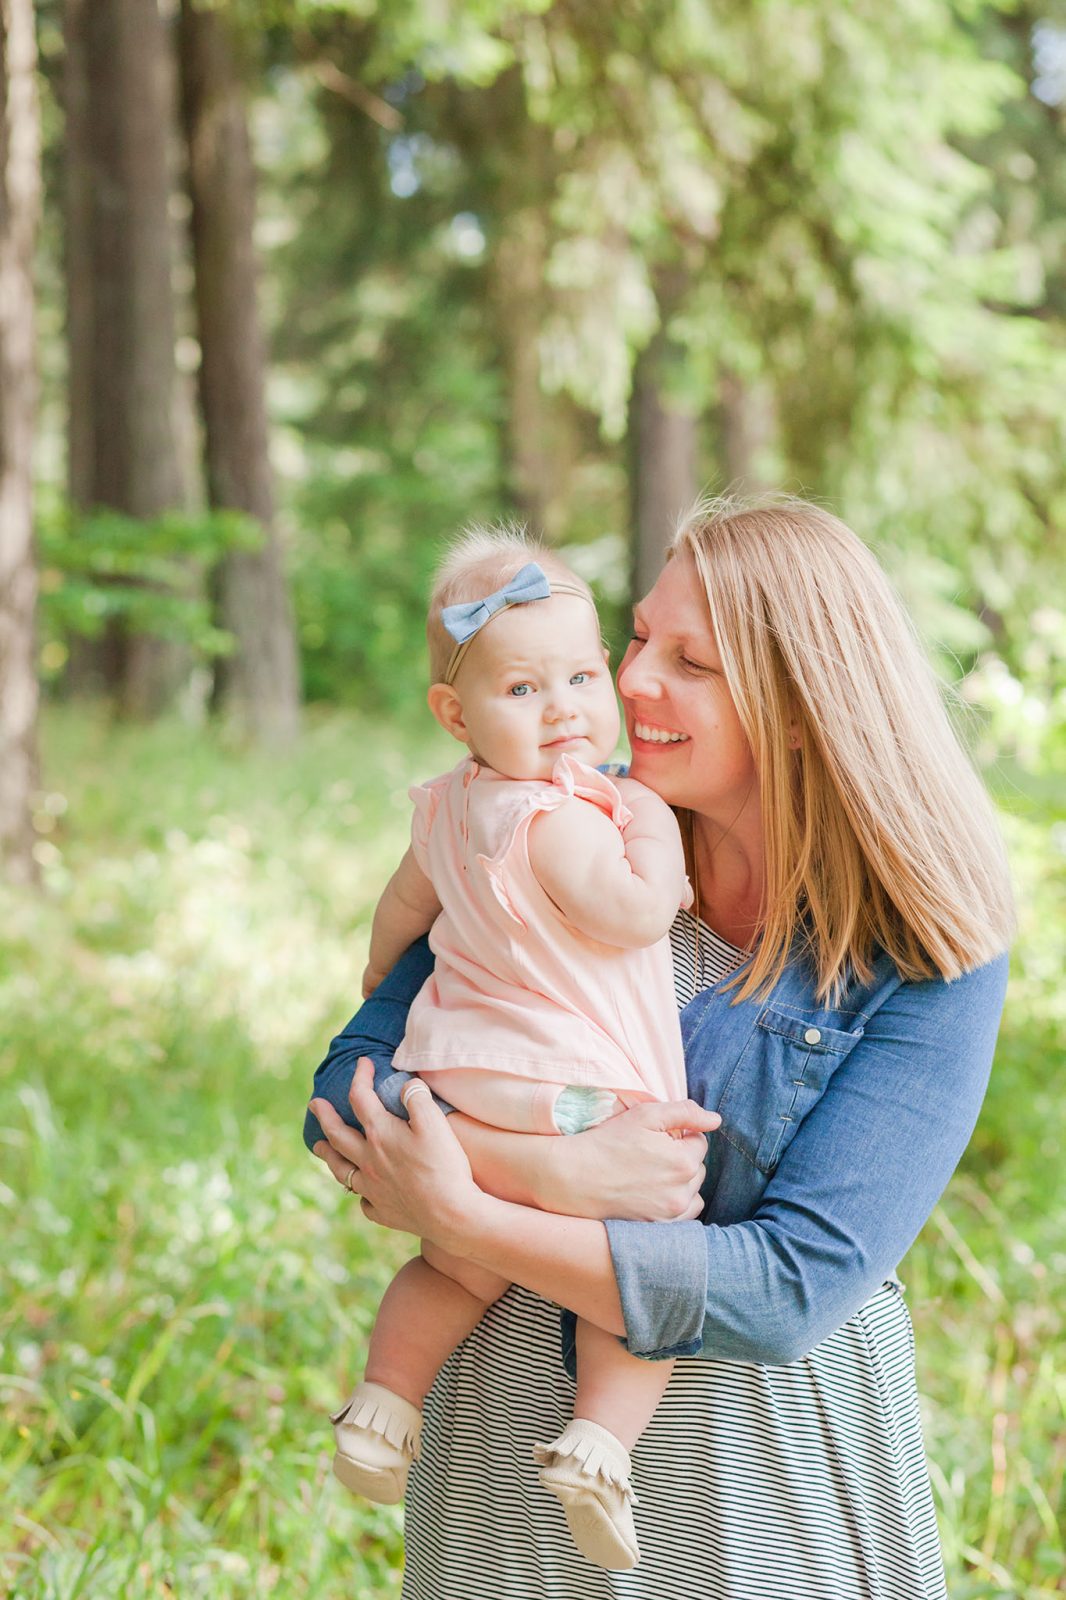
(799, 1482)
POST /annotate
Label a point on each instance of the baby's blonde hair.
(478, 562)
(878, 831)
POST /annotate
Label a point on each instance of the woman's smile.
(673, 668)
(650, 733)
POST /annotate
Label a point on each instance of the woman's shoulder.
(883, 1000)
(863, 996)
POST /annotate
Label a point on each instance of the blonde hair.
(479, 561)
(878, 831)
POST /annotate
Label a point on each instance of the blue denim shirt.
(840, 1129)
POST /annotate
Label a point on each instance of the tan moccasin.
(378, 1435)
(587, 1469)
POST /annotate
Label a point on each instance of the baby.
(549, 890)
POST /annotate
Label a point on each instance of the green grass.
(182, 1295)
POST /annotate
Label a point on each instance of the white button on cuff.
(813, 1035)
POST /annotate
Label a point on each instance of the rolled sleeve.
(661, 1270)
(843, 1205)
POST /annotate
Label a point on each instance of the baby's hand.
(371, 978)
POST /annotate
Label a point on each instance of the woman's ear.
(448, 710)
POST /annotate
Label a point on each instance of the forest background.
(290, 292)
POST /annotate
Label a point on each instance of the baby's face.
(535, 685)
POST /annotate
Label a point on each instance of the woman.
(842, 977)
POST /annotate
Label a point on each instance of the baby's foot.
(587, 1469)
(377, 1434)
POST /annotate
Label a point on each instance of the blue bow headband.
(465, 620)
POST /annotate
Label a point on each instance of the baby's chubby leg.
(616, 1390)
(523, 1105)
(430, 1306)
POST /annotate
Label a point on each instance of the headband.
(465, 620)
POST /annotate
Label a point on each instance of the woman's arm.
(374, 1031)
(633, 1166)
(640, 1165)
(415, 1176)
(851, 1193)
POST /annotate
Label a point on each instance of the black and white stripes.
(701, 958)
(801, 1482)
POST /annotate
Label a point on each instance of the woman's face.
(687, 741)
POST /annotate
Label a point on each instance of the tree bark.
(19, 209)
(259, 683)
(85, 671)
(77, 255)
(130, 392)
(663, 456)
(515, 153)
(747, 426)
(536, 448)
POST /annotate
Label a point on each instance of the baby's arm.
(620, 888)
(408, 909)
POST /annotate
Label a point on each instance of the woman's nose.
(636, 675)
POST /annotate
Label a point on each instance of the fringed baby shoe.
(378, 1435)
(587, 1469)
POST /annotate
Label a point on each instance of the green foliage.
(183, 1294)
(386, 395)
(149, 573)
(859, 211)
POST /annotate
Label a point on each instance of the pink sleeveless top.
(516, 988)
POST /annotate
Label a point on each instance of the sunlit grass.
(182, 1296)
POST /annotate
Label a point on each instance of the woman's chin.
(653, 766)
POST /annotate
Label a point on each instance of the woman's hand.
(411, 1175)
(645, 1165)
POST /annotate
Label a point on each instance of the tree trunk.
(540, 441)
(746, 421)
(130, 390)
(85, 666)
(19, 207)
(663, 455)
(77, 256)
(259, 683)
(536, 463)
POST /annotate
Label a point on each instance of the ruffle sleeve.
(572, 777)
(426, 798)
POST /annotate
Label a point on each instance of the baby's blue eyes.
(520, 690)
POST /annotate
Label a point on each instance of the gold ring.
(348, 1179)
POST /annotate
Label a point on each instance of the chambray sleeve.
(375, 1031)
(848, 1198)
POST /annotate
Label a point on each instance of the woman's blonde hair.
(878, 832)
(479, 561)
